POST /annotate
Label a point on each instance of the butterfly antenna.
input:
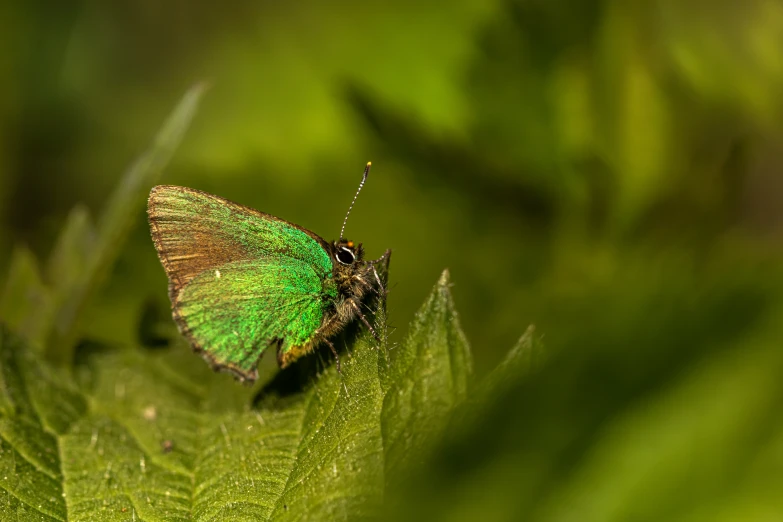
(364, 178)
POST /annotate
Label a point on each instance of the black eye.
(345, 256)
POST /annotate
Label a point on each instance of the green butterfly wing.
(234, 312)
(239, 279)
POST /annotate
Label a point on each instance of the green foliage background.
(608, 171)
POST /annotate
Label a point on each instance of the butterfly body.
(241, 280)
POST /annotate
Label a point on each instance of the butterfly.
(241, 280)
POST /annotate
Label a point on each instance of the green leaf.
(30, 475)
(154, 435)
(524, 357)
(423, 381)
(26, 302)
(71, 252)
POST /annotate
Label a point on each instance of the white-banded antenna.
(364, 178)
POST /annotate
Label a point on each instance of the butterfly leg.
(334, 352)
(379, 289)
(364, 319)
(378, 280)
(372, 264)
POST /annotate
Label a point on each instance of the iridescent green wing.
(232, 314)
(197, 234)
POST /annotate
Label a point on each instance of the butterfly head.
(347, 253)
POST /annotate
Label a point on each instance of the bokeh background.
(607, 170)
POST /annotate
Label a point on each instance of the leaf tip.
(527, 354)
(445, 278)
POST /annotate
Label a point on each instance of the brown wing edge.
(175, 287)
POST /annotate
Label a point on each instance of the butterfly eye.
(345, 256)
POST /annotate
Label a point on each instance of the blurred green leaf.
(70, 255)
(706, 449)
(26, 304)
(524, 357)
(730, 54)
(157, 436)
(45, 308)
(658, 402)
